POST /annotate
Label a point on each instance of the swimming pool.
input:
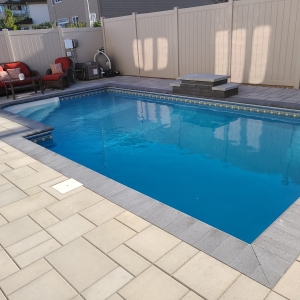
(236, 171)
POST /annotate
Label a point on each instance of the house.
(64, 12)
(117, 8)
(27, 12)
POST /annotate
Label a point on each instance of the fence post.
(9, 45)
(297, 71)
(136, 39)
(176, 42)
(103, 33)
(61, 39)
(230, 29)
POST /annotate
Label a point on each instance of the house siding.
(117, 8)
(71, 8)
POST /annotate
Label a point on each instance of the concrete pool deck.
(61, 237)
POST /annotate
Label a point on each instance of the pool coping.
(265, 260)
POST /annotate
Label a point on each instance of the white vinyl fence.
(254, 41)
(39, 48)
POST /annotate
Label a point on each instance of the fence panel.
(204, 39)
(37, 48)
(90, 39)
(121, 44)
(265, 41)
(157, 44)
(4, 55)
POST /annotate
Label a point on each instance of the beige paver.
(78, 297)
(44, 218)
(33, 190)
(70, 229)
(18, 230)
(115, 297)
(20, 162)
(207, 276)
(2, 152)
(6, 186)
(109, 235)
(27, 206)
(129, 260)
(36, 179)
(153, 284)
(7, 266)
(108, 285)
(136, 223)
(4, 168)
(176, 258)
(275, 296)
(288, 286)
(3, 180)
(2, 296)
(28, 243)
(2, 221)
(38, 166)
(102, 212)
(18, 173)
(7, 158)
(81, 263)
(11, 195)
(24, 276)
(245, 288)
(8, 149)
(47, 287)
(153, 243)
(192, 296)
(36, 253)
(74, 204)
(47, 186)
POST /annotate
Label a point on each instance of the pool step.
(205, 85)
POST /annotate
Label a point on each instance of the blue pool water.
(237, 172)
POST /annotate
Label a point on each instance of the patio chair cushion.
(52, 77)
(18, 64)
(65, 62)
(14, 73)
(56, 68)
(1, 69)
(4, 75)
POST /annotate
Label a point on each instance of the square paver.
(131, 220)
(4, 168)
(129, 260)
(153, 284)
(245, 288)
(28, 243)
(275, 296)
(24, 276)
(74, 204)
(33, 190)
(176, 258)
(7, 266)
(102, 212)
(67, 186)
(27, 206)
(47, 287)
(18, 230)
(207, 276)
(36, 253)
(11, 195)
(109, 235)
(70, 229)
(38, 166)
(288, 286)
(48, 187)
(20, 162)
(152, 243)
(108, 285)
(81, 263)
(192, 296)
(44, 218)
(18, 173)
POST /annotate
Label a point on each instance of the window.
(63, 22)
(75, 19)
(92, 18)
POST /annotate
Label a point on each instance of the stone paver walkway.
(79, 245)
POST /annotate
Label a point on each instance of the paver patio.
(80, 245)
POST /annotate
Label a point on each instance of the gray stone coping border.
(265, 260)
